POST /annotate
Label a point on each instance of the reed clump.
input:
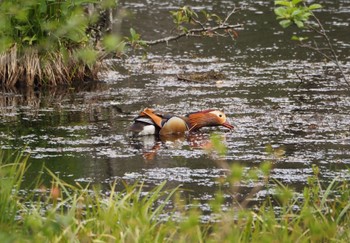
(54, 68)
(45, 42)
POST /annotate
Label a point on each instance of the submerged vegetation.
(63, 212)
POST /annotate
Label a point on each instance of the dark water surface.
(80, 133)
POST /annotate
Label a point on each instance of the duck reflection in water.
(172, 129)
(151, 144)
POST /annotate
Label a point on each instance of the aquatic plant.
(63, 212)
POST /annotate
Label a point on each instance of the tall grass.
(11, 174)
(71, 213)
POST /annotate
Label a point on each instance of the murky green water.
(80, 133)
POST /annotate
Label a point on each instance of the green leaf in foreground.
(285, 23)
(113, 43)
(299, 38)
(315, 6)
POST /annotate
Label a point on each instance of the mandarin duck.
(148, 122)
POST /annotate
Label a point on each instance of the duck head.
(207, 118)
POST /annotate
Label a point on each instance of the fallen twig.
(191, 32)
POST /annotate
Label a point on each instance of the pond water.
(274, 93)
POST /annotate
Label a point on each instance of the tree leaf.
(295, 2)
(285, 23)
(296, 12)
(281, 12)
(305, 16)
(132, 32)
(315, 6)
(299, 23)
(283, 3)
(299, 38)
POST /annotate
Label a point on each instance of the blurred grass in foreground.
(71, 213)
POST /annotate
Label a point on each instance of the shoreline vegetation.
(51, 43)
(29, 68)
(62, 212)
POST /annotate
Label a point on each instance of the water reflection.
(30, 100)
(151, 144)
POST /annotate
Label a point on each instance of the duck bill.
(228, 125)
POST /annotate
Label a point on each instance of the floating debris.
(201, 76)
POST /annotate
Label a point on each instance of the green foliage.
(299, 38)
(299, 13)
(135, 39)
(49, 41)
(72, 213)
(183, 15)
(188, 23)
(217, 145)
(113, 43)
(12, 169)
(294, 12)
(47, 23)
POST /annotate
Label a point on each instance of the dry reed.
(30, 68)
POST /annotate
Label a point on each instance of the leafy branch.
(297, 12)
(184, 18)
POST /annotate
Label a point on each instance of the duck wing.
(148, 122)
(143, 126)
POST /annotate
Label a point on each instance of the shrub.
(46, 42)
